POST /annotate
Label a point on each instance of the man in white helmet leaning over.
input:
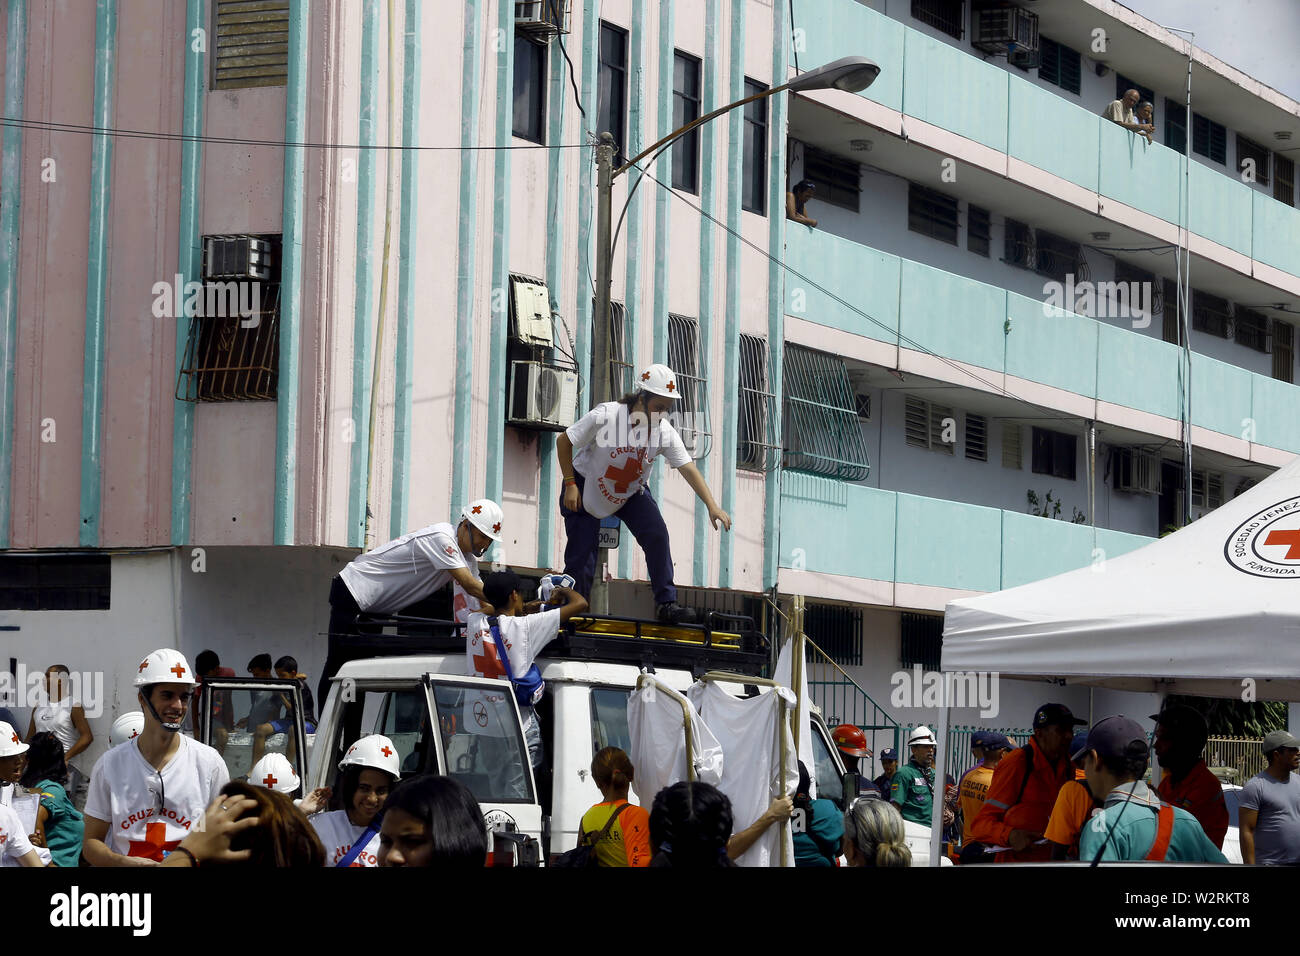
(605, 457)
(407, 570)
(147, 794)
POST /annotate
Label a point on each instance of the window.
(1018, 245)
(1210, 314)
(611, 109)
(1209, 139)
(1011, 446)
(484, 772)
(922, 641)
(978, 231)
(1250, 328)
(1059, 65)
(251, 44)
(620, 366)
(686, 109)
(1176, 126)
(1123, 84)
(1207, 489)
(838, 630)
(753, 194)
(1056, 257)
(946, 15)
(821, 433)
(1246, 149)
(1053, 454)
(1283, 351)
(693, 409)
(755, 445)
(530, 89)
(927, 425)
(233, 350)
(837, 179)
(55, 582)
(1137, 285)
(1171, 325)
(977, 447)
(1284, 180)
(609, 718)
(932, 213)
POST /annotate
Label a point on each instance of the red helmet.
(850, 740)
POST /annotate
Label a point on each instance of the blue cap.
(889, 753)
(1117, 737)
(1079, 745)
(980, 738)
(997, 741)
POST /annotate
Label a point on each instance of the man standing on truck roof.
(408, 569)
(912, 787)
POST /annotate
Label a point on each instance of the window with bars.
(611, 103)
(837, 179)
(55, 582)
(1176, 126)
(1207, 489)
(946, 15)
(251, 43)
(1053, 454)
(756, 445)
(820, 430)
(1209, 139)
(1055, 256)
(1211, 314)
(1247, 149)
(927, 425)
(932, 213)
(1018, 245)
(753, 191)
(837, 631)
(922, 641)
(232, 353)
(1250, 328)
(1059, 65)
(978, 230)
(686, 109)
(1283, 351)
(530, 89)
(1284, 180)
(1123, 84)
(1131, 277)
(977, 446)
(1011, 454)
(693, 408)
(620, 363)
(1171, 314)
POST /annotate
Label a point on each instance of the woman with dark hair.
(250, 826)
(690, 824)
(59, 825)
(817, 826)
(434, 822)
(796, 201)
(627, 841)
(350, 832)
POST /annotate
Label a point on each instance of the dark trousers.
(641, 516)
(343, 620)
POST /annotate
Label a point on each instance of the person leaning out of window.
(797, 199)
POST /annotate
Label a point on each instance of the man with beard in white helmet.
(407, 570)
(147, 794)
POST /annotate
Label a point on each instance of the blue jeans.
(640, 514)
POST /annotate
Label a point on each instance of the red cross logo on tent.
(476, 509)
(269, 781)
(154, 844)
(625, 476)
(1289, 538)
(386, 751)
(177, 670)
(487, 664)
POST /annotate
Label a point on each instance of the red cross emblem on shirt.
(1291, 538)
(625, 476)
(476, 509)
(269, 781)
(487, 663)
(154, 844)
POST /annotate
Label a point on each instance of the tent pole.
(940, 775)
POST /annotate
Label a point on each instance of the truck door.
(248, 718)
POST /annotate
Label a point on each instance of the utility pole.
(600, 357)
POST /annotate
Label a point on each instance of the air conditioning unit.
(236, 257)
(1137, 471)
(543, 396)
(532, 313)
(542, 17)
(1007, 30)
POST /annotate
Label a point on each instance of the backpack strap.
(362, 840)
(1164, 831)
(609, 825)
(501, 648)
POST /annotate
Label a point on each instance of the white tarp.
(803, 720)
(655, 720)
(748, 730)
(1200, 611)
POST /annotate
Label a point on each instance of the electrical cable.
(559, 37)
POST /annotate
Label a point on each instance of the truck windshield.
(483, 743)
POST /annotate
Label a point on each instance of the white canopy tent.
(1202, 611)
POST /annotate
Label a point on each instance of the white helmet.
(659, 380)
(484, 514)
(375, 751)
(275, 773)
(921, 736)
(164, 666)
(127, 727)
(10, 743)
(549, 582)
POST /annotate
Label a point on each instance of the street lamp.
(850, 73)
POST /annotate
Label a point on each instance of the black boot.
(674, 613)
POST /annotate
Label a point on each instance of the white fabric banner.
(655, 720)
(784, 677)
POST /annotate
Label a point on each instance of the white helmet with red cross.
(274, 772)
(484, 514)
(659, 380)
(164, 666)
(127, 727)
(375, 751)
(11, 744)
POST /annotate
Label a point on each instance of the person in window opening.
(605, 457)
(797, 199)
(1120, 112)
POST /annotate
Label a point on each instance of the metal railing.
(842, 701)
(960, 758)
(1245, 755)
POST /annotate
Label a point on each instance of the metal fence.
(843, 701)
(1243, 755)
(960, 759)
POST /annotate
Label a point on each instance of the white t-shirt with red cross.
(14, 844)
(524, 638)
(613, 451)
(409, 569)
(337, 833)
(149, 812)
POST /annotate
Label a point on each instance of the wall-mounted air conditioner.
(1007, 30)
(236, 257)
(542, 17)
(542, 396)
(532, 313)
(1137, 471)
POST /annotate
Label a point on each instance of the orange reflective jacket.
(1019, 802)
